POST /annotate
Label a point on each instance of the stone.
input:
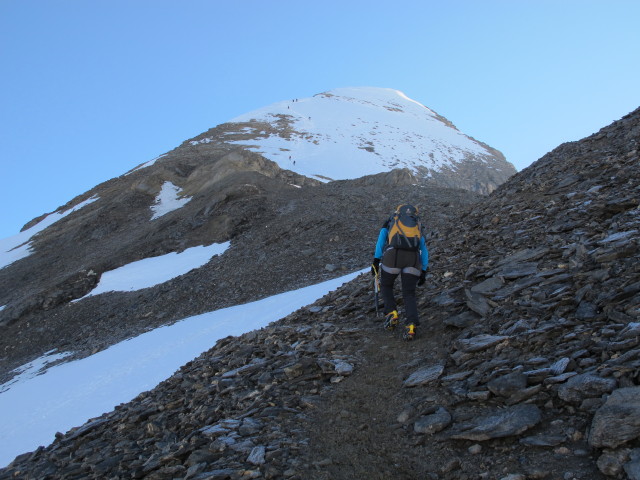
(507, 385)
(632, 469)
(525, 255)
(611, 463)
(424, 376)
(586, 311)
(462, 320)
(584, 386)
(543, 440)
(342, 367)
(618, 420)
(433, 423)
(479, 342)
(499, 423)
(514, 476)
(478, 303)
(489, 285)
(406, 414)
(475, 449)
(256, 456)
(201, 456)
(444, 300)
(519, 270)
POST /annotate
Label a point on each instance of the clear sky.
(89, 89)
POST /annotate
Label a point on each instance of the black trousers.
(407, 265)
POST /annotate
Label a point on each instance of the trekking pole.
(376, 288)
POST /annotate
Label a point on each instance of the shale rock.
(618, 420)
(498, 424)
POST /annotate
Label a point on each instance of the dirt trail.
(356, 432)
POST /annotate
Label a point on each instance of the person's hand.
(423, 277)
(375, 267)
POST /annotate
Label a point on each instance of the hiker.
(401, 250)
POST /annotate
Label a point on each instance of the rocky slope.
(274, 228)
(525, 366)
(274, 217)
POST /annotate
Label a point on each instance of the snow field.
(35, 407)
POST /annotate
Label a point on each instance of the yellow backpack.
(404, 228)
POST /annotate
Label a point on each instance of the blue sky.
(89, 89)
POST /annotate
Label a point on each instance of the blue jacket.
(382, 241)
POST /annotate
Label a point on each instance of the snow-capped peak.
(351, 132)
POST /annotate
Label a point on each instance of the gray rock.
(507, 385)
(586, 311)
(500, 423)
(519, 270)
(433, 423)
(477, 303)
(256, 456)
(479, 342)
(489, 285)
(424, 376)
(543, 440)
(584, 386)
(219, 474)
(632, 469)
(611, 463)
(342, 367)
(444, 300)
(462, 320)
(201, 456)
(555, 369)
(632, 330)
(618, 420)
(525, 255)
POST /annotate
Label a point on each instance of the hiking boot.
(409, 332)
(391, 320)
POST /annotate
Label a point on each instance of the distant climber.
(401, 250)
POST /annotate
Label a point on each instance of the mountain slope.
(530, 320)
(210, 190)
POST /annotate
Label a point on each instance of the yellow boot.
(409, 332)
(391, 320)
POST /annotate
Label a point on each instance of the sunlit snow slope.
(351, 132)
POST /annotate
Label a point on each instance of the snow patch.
(18, 246)
(146, 164)
(33, 368)
(198, 142)
(67, 395)
(153, 271)
(168, 200)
